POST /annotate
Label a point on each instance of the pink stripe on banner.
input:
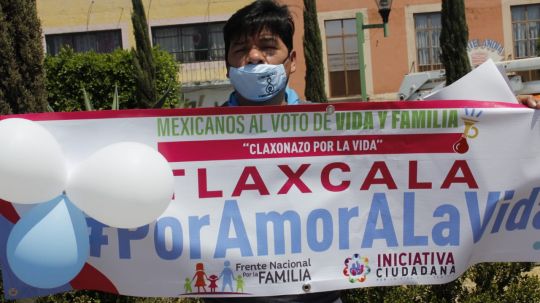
(263, 148)
(316, 107)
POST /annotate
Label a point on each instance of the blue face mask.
(258, 82)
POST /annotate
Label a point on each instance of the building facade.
(191, 31)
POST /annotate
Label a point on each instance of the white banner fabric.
(287, 200)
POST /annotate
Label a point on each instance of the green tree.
(501, 282)
(7, 64)
(100, 75)
(453, 40)
(22, 83)
(313, 54)
(145, 69)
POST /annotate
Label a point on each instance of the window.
(427, 27)
(192, 43)
(525, 29)
(98, 41)
(342, 52)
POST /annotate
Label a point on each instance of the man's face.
(264, 48)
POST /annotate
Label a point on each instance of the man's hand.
(529, 100)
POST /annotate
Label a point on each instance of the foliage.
(444, 293)
(68, 73)
(22, 87)
(523, 291)
(499, 282)
(453, 40)
(145, 69)
(313, 54)
(99, 297)
(7, 62)
(482, 283)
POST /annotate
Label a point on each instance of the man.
(260, 58)
(259, 55)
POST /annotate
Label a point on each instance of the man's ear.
(292, 59)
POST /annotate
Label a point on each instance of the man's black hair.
(256, 17)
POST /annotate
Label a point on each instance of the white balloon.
(33, 168)
(123, 185)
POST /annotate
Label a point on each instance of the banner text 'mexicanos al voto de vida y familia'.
(287, 200)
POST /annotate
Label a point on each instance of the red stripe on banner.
(92, 279)
(315, 107)
(179, 172)
(8, 211)
(263, 148)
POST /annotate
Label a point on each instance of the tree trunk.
(145, 69)
(313, 54)
(453, 40)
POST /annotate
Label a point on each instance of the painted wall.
(64, 16)
(387, 59)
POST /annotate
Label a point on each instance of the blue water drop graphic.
(49, 245)
(536, 245)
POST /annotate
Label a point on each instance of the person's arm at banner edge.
(529, 101)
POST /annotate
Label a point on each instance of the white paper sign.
(484, 83)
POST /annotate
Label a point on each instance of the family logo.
(470, 131)
(225, 278)
(356, 268)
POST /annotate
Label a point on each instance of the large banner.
(310, 198)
